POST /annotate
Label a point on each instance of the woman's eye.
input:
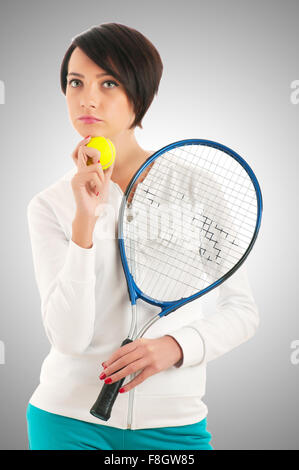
(111, 81)
(73, 80)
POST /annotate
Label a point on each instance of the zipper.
(130, 407)
(131, 392)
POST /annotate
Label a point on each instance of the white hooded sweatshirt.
(86, 313)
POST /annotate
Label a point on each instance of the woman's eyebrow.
(82, 76)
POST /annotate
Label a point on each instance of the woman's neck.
(122, 174)
(129, 157)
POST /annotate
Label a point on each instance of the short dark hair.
(127, 55)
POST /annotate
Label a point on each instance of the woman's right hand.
(89, 180)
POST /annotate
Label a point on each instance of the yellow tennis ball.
(107, 149)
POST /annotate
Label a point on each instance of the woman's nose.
(90, 96)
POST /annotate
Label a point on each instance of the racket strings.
(210, 168)
(236, 171)
(169, 265)
(189, 218)
(196, 217)
(246, 183)
(173, 197)
(157, 274)
(173, 239)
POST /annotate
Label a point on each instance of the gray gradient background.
(228, 68)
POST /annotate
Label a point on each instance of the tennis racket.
(188, 220)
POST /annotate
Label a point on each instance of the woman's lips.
(89, 120)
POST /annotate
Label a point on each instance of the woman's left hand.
(149, 356)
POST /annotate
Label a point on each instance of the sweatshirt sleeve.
(235, 321)
(65, 276)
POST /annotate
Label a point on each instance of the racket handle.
(105, 401)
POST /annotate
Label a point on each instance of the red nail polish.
(108, 381)
(121, 390)
(102, 376)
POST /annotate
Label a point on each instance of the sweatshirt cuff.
(79, 264)
(192, 346)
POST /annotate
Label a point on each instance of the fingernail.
(121, 390)
(103, 365)
(102, 376)
(97, 194)
(108, 381)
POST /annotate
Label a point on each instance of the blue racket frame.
(109, 392)
(133, 289)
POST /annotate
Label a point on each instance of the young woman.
(111, 73)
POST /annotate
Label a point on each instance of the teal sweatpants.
(49, 431)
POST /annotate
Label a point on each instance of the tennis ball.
(107, 149)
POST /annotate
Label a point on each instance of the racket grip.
(103, 405)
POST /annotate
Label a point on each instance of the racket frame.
(133, 289)
(104, 403)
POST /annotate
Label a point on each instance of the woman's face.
(102, 97)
